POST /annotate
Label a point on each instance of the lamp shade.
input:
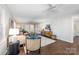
(13, 31)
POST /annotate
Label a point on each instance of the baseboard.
(66, 41)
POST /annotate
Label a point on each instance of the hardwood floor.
(58, 48)
(21, 51)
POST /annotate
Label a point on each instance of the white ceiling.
(40, 10)
(27, 10)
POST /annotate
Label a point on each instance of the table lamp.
(13, 32)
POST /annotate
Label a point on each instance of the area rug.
(46, 41)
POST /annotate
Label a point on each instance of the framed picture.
(48, 27)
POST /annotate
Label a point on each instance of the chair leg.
(39, 51)
(25, 51)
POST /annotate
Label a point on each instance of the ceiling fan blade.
(51, 7)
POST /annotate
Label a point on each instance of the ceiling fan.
(51, 7)
(51, 10)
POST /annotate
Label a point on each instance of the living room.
(51, 25)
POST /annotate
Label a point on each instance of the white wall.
(76, 25)
(62, 28)
(76, 28)
(5, 25)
